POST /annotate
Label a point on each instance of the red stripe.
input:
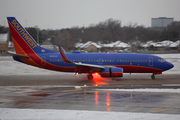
(137, 69)
(35, 58)
(22, 43)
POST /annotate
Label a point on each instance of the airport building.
(161, 22)
(4, 42)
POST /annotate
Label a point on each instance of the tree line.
(104, 32)
(111, 30)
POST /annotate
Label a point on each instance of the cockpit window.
(161, 60)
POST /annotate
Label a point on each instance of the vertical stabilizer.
(23, 42)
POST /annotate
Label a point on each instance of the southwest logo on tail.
(107, 65)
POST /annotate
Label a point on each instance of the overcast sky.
(57, 14)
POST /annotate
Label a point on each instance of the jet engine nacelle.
(112, 72)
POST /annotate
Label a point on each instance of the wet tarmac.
(71, 79)
(58, 92)
(69, 98)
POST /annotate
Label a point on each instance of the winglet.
(64, 57)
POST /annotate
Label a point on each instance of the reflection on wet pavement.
(72, 99)
(91, 98)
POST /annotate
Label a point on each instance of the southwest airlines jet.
(107, 65)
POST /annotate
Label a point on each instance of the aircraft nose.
(170, 65)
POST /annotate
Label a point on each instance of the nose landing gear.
(153, 76)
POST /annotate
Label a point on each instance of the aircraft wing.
(17, 55)
(89, 65)
(79, 65)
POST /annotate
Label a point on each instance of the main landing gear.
(153, 76)
(90, 76)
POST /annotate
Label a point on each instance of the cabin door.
(150, 61)
(43, 59)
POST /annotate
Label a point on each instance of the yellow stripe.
(161, 110)
(35, 52)
(68, 90)
(24, 40)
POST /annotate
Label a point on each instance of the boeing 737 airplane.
(110, 65)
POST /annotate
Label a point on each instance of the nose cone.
(169, 65)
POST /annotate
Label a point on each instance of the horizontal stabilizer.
(17, 55)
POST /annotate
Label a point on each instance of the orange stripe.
(25, 60)
(30, 62)
(18, 48)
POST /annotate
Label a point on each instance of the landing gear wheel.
(152, 76)
(90, 77)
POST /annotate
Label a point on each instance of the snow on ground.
(143, 90)
(49, 114)
(10, 67)
(174, 59)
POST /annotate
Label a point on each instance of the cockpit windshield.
(161, 60)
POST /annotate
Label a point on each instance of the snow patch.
(143, 90)
(50, 114)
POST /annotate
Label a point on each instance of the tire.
(90, 77)
(152, 76)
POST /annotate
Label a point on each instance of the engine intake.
(112, 72)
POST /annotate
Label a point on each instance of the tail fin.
(24, 44)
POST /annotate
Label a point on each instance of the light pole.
(37, 34)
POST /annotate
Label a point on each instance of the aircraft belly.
(139, 69)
